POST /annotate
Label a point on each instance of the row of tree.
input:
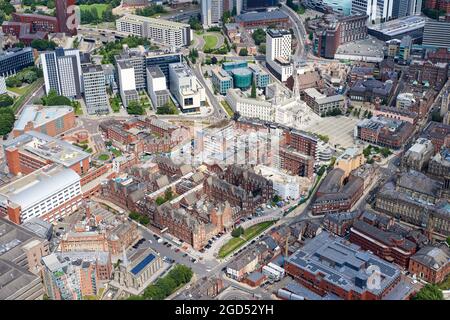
(165, 286)
(27, 75)
(92, 16)
(150, 10)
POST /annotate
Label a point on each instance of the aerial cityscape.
(242, 150)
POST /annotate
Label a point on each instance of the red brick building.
(49, 120)
(335, 196)
(431, 263)
(38, 22)
(328, 264)
(390, 246)
(33, 150)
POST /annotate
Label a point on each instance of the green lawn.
(227, 108)
(103, 157)
(19, 90)
(248, 235)
(27, 92)
(210, 42)
(101, 7)
(116, 152)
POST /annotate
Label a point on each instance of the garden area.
(115, 104)
(96, 13)
(242, 236)
(210, 42)
(371, 153)
(103, 157)
(110, 49)
(167, 285)
(168, 108)
(83, 145)
(168, 195)
(141, 218)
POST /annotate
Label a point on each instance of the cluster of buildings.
(147, 135)
(173, 34)
(239, 75)
(27, 27)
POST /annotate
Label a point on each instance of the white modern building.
(186, 88)
(159, 30)
(377, 10)
(212, 12)
(94, 89)
(274, 272)
(156, 87)
(284, 185)
(405, 100)
(278, 53)
(62, 72)
(127, 82)
(279, 108)
(2, 85)
(49, 193)
(248, 107)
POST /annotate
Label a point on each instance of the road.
(299, 31)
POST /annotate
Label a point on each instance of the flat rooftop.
(400, 25)
(43, 146)
(367, 48)
(261, 16)
(40, 115)
(37, 186)
(155, 72)
(343, 264)
(165, 23)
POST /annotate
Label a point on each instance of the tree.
(243, 52)
(276, 198)
(253, 92)
(5, 100)
(311, 36)
(429, 292)
(448, 240)
(154, 292)
(53, 99)
(43, 45)
(195, 24)
(133, 215)
(322, 170)
(226, 18)
(144, 220)
(236, 233)
(134, 107)
(168, 194)
(7, 119)
(259, 36)
(262, 48)
(13, 82)
(385, 152)
(213, 60)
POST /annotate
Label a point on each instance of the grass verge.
(210, 42)
(248, 235)
(227, 108)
